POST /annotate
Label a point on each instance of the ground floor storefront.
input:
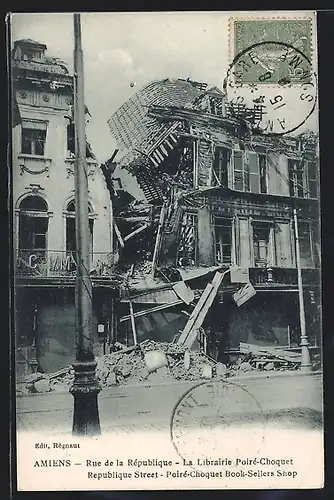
(46, 335)
(44, 323)
(270, 318)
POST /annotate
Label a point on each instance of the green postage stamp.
(275, 42)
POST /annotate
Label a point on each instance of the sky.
(124, 48)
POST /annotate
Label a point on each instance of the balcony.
(59, 264)
(268, 277)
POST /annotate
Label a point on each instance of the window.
(216, 105)
(250, 171)
(303, 181)
(71, 141)
(241, 174)
(33, 137)
(262, 243)
(220, 166)
(305, 244)
(31, 54)
(186, 254)
(312, 179)
(70, 228)
(33, 224)
(223, 239)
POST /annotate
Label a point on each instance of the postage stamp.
(244, 33)
(264, 106)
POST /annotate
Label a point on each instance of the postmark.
(215, 422)
(271, 109)
(295, 32)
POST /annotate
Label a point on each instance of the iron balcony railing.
(58, 263)
(268, 276)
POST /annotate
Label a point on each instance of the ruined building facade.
(44, 212)
(217, 194)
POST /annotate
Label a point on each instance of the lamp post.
(85, 388)
(306, 365)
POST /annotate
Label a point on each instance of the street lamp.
(306, 364)
(85, 388)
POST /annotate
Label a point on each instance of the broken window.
(71, 142)
(33, 137)
(296, 179)
(216, 105)
(33, 224)
(241, 173)
(186, 254)
(220, 166)
(262, 243)
(223, 239)
(303, 179)
(305, 244)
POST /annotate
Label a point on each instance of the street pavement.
(291, 397)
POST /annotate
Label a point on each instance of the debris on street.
(268, 358)
(148, 362)
(156, 362)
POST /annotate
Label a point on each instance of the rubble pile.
(260, 358)
(154, 362)
(130, 365)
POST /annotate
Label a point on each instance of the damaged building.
(204, 218)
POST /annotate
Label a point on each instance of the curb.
(240, 377)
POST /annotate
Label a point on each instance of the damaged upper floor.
(175, 133)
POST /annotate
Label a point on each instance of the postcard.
(166, 250)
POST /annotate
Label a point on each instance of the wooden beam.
(133, 324)
(202, 314)
(214, 173)
(195, 313)
(118, 234)
(201, 309)
(151, 310)
(139, 230)
(157, 241)
(137, 219)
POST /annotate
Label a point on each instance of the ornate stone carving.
(46, 98)
(34, 172)
(35, 188)
(23, 95)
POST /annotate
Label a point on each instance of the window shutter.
(254, 172)
(283, 244)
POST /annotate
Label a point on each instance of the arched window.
(70, 227)
(33, 223)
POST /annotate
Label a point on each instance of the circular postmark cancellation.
(272, 86)
(214, 422)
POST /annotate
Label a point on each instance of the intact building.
(44, 214)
